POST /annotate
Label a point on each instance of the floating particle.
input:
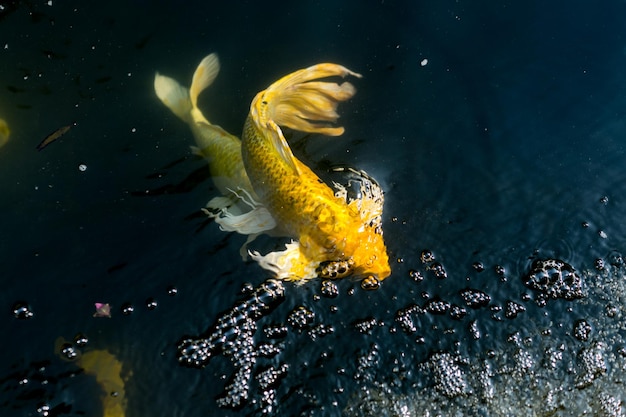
(82, 167)
(151, 303)
(102, 310)
(604, 200)
(329, 289)
(427, 256)
(127, 309)
(513, 309)
(602, 234)
(424, 62)
(555, 279)
(582, 330)
(475, 298)
(22, 311)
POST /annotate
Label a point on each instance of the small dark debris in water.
(54, 136)
(102, 310)
(13, 89)
(117, 267)
(22, 311)
(103, 80)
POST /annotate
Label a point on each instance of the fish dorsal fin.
(300, 102)
(203, 77)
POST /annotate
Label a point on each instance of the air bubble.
(22, 311)
(427, 256)
(416, 275)
(127, 309)
(438, 270)
(151, 303)
(329, 289)
(172, 290)
(81, 340)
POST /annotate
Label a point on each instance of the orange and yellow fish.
(333, 235)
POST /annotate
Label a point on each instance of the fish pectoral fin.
(173, 95)
(282, 147)
(203, 77)
(290, 264)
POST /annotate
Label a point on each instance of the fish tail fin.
(300, 102)
(181, 101)
(203, 77)
(173, 95)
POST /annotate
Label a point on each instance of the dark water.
(505, 146)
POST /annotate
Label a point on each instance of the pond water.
(496, 129)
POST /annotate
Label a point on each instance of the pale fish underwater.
(266, 189)
(107, 370)
(4, 132)
(237, 209)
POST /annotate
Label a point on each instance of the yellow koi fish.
(335, 236)
(4, 132)
(237, 209)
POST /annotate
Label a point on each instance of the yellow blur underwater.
(5, 132)
(266, 189)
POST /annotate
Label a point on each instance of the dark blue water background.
(497, 150)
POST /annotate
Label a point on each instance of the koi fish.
(4, 132)
(107, 370)
(330, 231)
(237, 209)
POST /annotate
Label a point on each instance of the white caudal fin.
(173, 95)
